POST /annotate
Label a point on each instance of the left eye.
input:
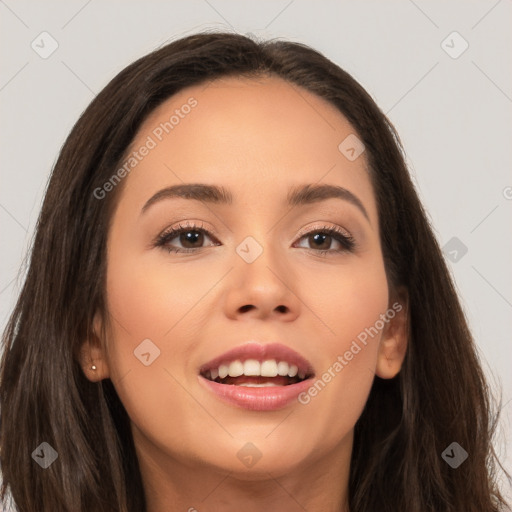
(192, 238)
(327, 235)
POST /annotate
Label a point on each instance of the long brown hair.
(440, 396)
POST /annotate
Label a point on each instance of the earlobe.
(393, 345)
(95, 368)
(390, 358)
(92, 355)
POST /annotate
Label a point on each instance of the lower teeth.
(265, 385)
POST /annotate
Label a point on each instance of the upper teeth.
(252, 367)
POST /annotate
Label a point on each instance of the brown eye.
(321, 240)
(187, 238)
(191, 237)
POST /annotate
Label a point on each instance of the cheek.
(155, 298)
(348, 302)
(159, 302)
(350, 306)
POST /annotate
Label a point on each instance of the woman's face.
(254, 277)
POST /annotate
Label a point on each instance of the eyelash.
(347, 241)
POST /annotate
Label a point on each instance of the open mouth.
(256, 374)
(257, 377)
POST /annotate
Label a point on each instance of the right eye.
(194, 234)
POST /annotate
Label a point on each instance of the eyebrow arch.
(300, 195)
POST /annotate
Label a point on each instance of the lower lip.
(269, 398)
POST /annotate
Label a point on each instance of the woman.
(235, 300)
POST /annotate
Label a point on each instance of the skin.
(257, 137)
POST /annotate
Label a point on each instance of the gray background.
(453, 115)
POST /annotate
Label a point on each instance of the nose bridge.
(258, 257)
(261, 281)
(256, 238)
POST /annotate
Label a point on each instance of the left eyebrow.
(300, 195)
(313, 193)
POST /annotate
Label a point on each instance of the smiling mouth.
(256, 374)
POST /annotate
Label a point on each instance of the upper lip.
(260, 352)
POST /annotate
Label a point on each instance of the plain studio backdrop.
(440, 70)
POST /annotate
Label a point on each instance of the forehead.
(253, 135)
(250, 111)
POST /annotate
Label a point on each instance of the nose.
(263, 289)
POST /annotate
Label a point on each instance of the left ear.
(393, 344)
